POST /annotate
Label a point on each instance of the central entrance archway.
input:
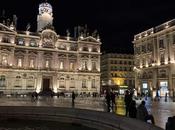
(46, 84)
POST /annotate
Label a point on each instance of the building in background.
(44, 61)
(155, 59)
(117, 71)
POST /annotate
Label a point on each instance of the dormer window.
(33, 43)
(21, 41)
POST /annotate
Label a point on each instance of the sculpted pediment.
(90, 39)
(6, 29)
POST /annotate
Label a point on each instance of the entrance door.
(46, 84)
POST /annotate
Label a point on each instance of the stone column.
(55, 85)
(54, 63)
(26, 59)
(40, 58)
(11, 57)
(89, 64)
(170, 81)
(39, 83)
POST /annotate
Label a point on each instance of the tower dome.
(45, 8)
(45, 16)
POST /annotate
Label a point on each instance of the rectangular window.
(62, 83)
(84, 84)
(2, 81)
(93, 83)
(162, 58)
(71, 66)
(84, 65)
(94, 66)
(161, 43)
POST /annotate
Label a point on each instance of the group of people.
(139, 112)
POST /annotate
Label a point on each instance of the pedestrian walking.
(73, 99)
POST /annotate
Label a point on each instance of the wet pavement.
(161, 110)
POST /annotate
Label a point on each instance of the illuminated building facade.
(117, 70)
(155, 58)
(44, 60)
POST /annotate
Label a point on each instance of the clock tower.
(45, 16)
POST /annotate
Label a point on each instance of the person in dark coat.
(133, 109)
(143, 114)
(127, 99)
(108, 100)
(73, 98)
(112, 100)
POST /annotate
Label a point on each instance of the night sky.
(117, 21)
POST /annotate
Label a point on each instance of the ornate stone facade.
(155, 58)
(43, 60)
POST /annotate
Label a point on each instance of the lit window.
(47, 64)
(84, 65)
(71, 66)
(31, 65)
(20, 41)
(33, 43)
(61, 65)
(19, 62)
(4, 60)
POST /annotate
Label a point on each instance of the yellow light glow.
(55, 90)
(153, 64)
(166, 62)
(118, 81)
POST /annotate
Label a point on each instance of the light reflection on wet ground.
(161, 110)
